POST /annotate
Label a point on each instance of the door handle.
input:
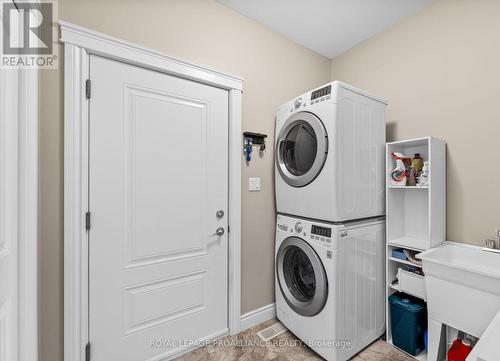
(280, 144)
(219, 232)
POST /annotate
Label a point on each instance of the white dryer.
(330, 283)
(330, 154)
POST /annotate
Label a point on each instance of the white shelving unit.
(415, 216)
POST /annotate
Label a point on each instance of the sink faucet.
(491, 246)
(490, 243)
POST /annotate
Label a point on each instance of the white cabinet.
(415, 216)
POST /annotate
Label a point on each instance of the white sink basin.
(464, 257)
(487, 347)
(463, 290)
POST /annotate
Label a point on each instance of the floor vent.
(272, 331)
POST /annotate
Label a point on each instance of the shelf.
(422, 356)
(415, 219)
(420, 213)
(407, 187)
(409, 242)
(417, 142)
(406, 262)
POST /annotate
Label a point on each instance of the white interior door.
(158, 174)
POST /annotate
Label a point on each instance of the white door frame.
(27, 222)
(79, 42)
(19, 210)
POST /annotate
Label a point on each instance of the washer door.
(301, 277)
(302, 146)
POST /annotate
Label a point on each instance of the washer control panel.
(321, 231)
(320, 234)
(283, 227)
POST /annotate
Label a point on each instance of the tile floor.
(225, 350)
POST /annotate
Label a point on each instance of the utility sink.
(463, 291)
(487, 347)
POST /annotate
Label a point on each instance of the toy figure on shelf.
(417, 163)
(400, 175)
(423, 178)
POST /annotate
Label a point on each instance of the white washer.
(330, 283)
(330, 154)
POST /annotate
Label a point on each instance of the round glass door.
(301, 277)
(301, 149)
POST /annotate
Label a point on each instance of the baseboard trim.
(253, 318)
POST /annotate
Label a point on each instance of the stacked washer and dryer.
(330, 233)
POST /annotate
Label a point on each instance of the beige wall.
(440, 71)
(275, 69)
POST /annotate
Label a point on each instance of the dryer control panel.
(327, 90)
(321, 94)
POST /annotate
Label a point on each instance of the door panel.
(151, 304)
(158, 174)
(146, 200)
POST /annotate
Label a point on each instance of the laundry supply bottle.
(459, 350)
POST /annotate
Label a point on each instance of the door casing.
(19, 211)
(79, 42)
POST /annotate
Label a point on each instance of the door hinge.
(88, 87)
(87, 221)
(87, 352)
(228, 229)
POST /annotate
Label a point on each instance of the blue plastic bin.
(408, 322)
(399, 254)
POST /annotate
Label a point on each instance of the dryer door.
(301, 277)
(301, 149)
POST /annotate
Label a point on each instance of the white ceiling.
(328, 27)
